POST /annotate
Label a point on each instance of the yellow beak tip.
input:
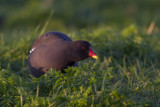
(95, 57)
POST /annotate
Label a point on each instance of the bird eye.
(83, 48)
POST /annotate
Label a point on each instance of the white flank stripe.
(32, 50)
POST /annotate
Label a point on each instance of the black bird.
(56, 50)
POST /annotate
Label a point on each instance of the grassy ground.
(126, 74)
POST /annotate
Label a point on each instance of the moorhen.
(57, 51)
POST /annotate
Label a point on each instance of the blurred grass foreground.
(124, 34)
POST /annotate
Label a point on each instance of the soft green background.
(78, 14)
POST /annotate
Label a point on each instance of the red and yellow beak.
(92, 54)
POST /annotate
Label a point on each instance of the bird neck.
(74, 52)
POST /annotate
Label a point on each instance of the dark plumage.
(56, 50)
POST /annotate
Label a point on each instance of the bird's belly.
(43, 58)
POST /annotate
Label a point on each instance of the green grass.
(126, 74)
